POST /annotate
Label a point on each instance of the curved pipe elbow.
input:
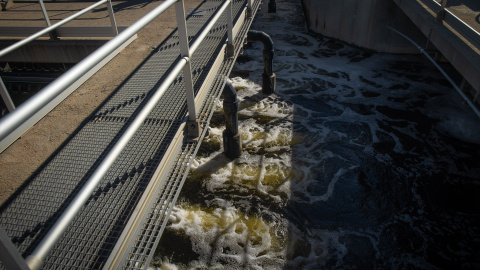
(266, 40)
(229, 94)
(268, 48)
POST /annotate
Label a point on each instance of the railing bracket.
(230, 50)
(249, 13)
(194, 130)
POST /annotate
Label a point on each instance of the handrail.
(15, 118)
(465, 30)
(49, 29)
(209, 26)
(35, 259)
(470, 34)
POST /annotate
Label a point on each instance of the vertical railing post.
(6, 97)
(230, 45)
(112, 18)
(193, 126)
(53, 35)
(441, 12)
(9, 255)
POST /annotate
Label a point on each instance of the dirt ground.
(23, 157)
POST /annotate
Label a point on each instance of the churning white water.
(360, 160)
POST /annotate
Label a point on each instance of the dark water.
(360, 160)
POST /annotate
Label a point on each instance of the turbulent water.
(360, 160)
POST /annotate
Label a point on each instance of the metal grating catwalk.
(92, 236)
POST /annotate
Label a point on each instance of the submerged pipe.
(268, 77)
(232, 141)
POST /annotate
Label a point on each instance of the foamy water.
(359, 160)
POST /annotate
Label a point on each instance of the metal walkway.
(121, 223)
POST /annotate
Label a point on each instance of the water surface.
(360, 160)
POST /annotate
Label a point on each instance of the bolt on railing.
(36, 258)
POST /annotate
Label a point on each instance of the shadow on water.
(379, 172)
(388, 187)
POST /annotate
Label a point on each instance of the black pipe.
(268, 77)
(272, 6)
(232, 141)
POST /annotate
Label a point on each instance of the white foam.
(278, 162)
(223, 234)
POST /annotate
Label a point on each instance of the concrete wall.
(363, 23)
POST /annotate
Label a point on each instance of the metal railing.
(465, 30)
(9, 123)
(471, 35)
(50, 29)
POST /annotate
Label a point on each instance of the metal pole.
(44, 12)
(230, 23)
(185, 51)
(209, 27)
(112, 17)
(52, 34)
(230, 46)
(12, 120)
(35, 260)
(48, 29)
(6, 97)
(9, 255)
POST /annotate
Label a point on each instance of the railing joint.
(230, 50)
(194, 129)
